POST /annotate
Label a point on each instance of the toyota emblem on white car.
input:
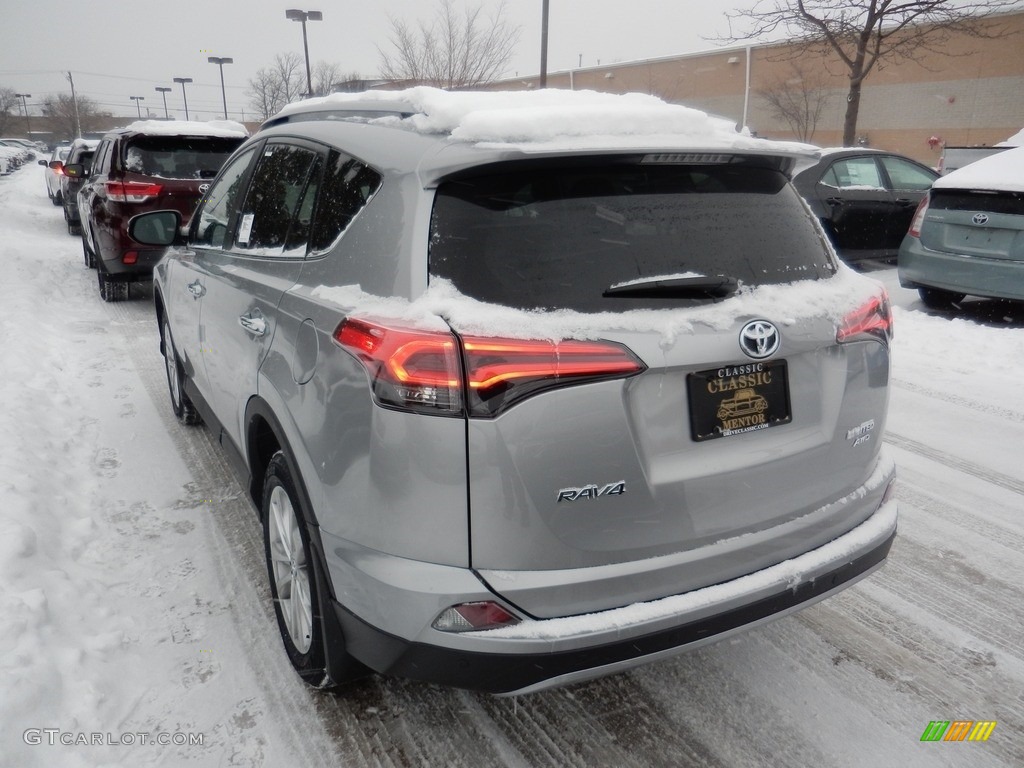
(980, 218)
(759, 339)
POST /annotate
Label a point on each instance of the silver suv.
(527, 388)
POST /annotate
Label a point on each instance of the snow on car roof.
(1003, 172)
(552, 119)
(226, 128)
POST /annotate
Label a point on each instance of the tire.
(57, 199)
(90, 258)
(180, 403)
(73, 228)
(936, 298)
(111, 290)
(292, 573)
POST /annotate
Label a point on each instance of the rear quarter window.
(558, 236)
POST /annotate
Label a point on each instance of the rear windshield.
(562, 236)
(178, 157)
(977, 200)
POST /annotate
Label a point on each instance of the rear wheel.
(111, 290)
(57, 199)
(290, 567)
(936, 298)
(74, 228)
(180, 402)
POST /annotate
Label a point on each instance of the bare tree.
(8, 110)
(279, 84)
(325, 75)
(798, 100)
(866, 33)
(451, 51)
(61, 111)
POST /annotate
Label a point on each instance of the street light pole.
(164, 90)
(24, 106)
(184, 98)
(544, 45)
(138, 106)
(302, 16)
(220, 62)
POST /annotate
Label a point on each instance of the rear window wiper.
(682, 287)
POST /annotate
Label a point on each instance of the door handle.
(196, 289)
(257, 326)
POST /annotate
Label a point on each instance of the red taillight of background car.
(871, 320)
(423, 371)
(918, 220)
(132, 191)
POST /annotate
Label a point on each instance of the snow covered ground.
(134, 605)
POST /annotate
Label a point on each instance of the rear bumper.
(921, 267)
(543, 653)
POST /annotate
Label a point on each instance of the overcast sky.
(127, 48)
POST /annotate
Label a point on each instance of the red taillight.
(130, 257)
(872, 320)
(470, 617)
(416, 370)
(501, 371)
(918, 220)
(132, 191)
(422, 371)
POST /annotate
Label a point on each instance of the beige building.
(971, 94)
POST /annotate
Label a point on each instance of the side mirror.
(74, 170)
(55, 164)
(44, 162)
(156, 228)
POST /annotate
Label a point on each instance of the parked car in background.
(150, 165)
(29, 146)
(967, 237)
(15, 155)
(955, 158)
(81, 154)
(481, 367)
(864, 198)
(55, 170)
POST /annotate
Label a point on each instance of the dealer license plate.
(736, 399)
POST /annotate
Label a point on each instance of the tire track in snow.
(954, 399)
(955, 462)
(236, 539)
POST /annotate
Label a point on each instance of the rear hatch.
(714, 453)
(171, 172)
(980, 223)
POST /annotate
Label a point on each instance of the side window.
(904, 175)
(278, 199)
(856, 173)
(212, 225)
(347, 186)
(100, 156)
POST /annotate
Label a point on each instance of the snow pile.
(786, 303)
(1003, 171)
(223, 128)
(553, 118)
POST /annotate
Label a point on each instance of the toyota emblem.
(759, 339)
(980, 218)
(204, 188)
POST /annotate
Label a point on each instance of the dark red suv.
(150, 165)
